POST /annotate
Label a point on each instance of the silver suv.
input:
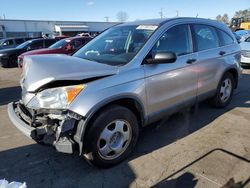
(129, 76)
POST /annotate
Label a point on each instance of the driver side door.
(171, 86)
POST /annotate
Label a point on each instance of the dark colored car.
(61, 37)
(65, 46)
(11, 42)
(8, 57)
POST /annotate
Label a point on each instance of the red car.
(65, 46)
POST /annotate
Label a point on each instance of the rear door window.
(177, 39)
(205, 37)
(36, 45)
(19, 41)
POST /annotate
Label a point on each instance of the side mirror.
(162, 58)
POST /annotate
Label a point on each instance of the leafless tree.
(122, 16)
(243, 13)
(224, 18)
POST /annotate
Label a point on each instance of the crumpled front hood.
(43, 69)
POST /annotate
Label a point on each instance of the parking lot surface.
(201, 147)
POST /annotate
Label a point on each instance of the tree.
(218, 18)
(122, 16)
(224, 18)
(243, 13)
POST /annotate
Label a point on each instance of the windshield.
(24, 45)
(59, 44)
(118, 45)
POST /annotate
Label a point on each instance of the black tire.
(104, 118)
(216, 101)
(12, 62)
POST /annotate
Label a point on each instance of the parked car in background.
(8, 57)
(11, 42)
(243, 34)
(59, 37)
(99, 98)
(237, 37)
(84, 35)
(65, 46)
(245, 52)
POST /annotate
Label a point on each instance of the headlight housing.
(55, 98)
(2, 55)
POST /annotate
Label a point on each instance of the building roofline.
(55, 21)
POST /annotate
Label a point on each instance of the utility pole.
(161, 13)
(4, 16)
(107, 18)
(177, 13)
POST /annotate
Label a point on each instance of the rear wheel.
(224, 91)
(112, 136)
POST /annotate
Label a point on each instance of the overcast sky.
(97, 10)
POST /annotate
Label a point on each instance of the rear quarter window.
(225, 39)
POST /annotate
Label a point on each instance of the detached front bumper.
(18, 122)
(62, 134)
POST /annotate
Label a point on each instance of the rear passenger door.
(209, 58)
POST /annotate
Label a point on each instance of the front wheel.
(12, 61)
(224, 91)
(112, 136)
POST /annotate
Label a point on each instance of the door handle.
(191, 61)
(222, 53)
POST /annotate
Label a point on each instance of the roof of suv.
(165, 20)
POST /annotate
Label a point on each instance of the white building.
(36, 28)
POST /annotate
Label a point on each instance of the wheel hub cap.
(114, 139)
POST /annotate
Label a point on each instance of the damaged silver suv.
(129, 76)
